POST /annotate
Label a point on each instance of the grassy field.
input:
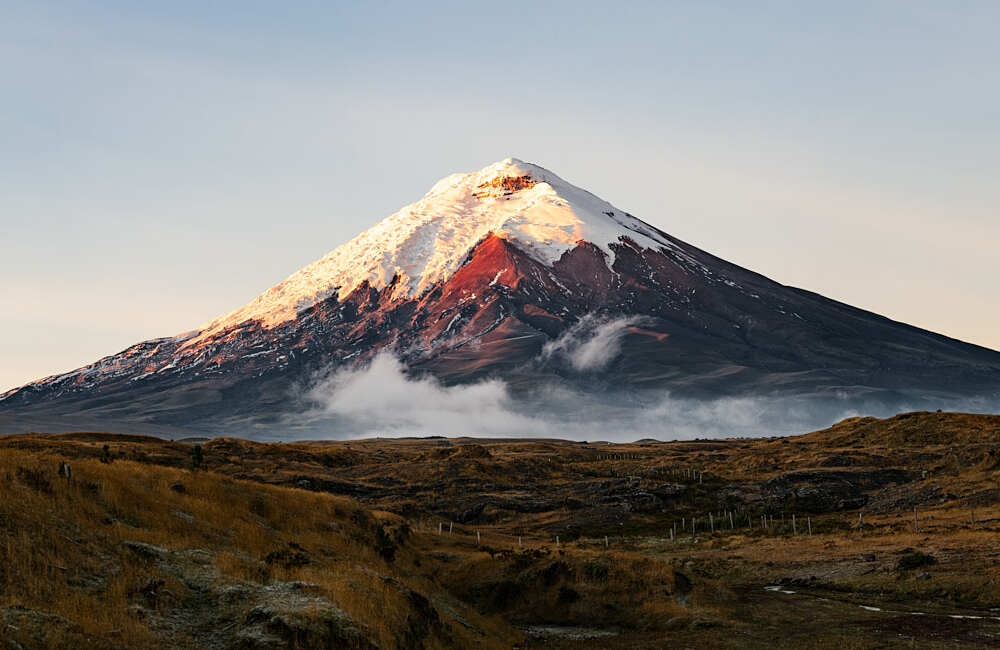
(437, 543)
(136, 555)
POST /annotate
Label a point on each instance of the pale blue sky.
(160, 166)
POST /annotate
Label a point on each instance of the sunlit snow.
(425, 242)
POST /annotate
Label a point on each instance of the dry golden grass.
(911, 429)
(60, 533)
(54, 540)
(570, 586)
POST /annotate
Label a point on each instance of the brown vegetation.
(506, 543)
(125, 560)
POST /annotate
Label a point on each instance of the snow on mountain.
(425, 242)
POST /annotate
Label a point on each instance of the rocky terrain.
(872, 533)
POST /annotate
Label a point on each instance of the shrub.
(571, 534)
(914, 560)
(568, 595)
(595, 570)
(504, 593)
(34, 479)
(197, 457)
(384, 544)
(292, 557)
(553, 572)
(403, 533)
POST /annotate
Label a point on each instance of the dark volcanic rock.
(828, 491)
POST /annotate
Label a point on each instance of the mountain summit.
(426, 242)
(510, 272)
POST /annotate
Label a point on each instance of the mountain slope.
(512, 272)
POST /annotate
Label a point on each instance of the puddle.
(870, 608)
(566, 633)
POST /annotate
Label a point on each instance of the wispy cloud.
(591, 343)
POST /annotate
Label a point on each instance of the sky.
(163, 163)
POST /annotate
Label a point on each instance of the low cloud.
(382, 398)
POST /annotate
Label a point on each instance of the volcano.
(512, 273)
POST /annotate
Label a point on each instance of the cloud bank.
(384, 399)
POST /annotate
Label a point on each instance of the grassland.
(436, 543)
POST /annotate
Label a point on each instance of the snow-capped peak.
(425, 242)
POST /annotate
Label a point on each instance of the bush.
(504, 593)
(197, 457)
(568, 595)
(384, 544)
(34, 479)
(403, 533)
(595, 570)
(571, 534)
(292, 557)
(914, 560)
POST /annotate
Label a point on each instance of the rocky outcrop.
(829, 490)
(22, 628)
(504, 186)
(246, 615)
